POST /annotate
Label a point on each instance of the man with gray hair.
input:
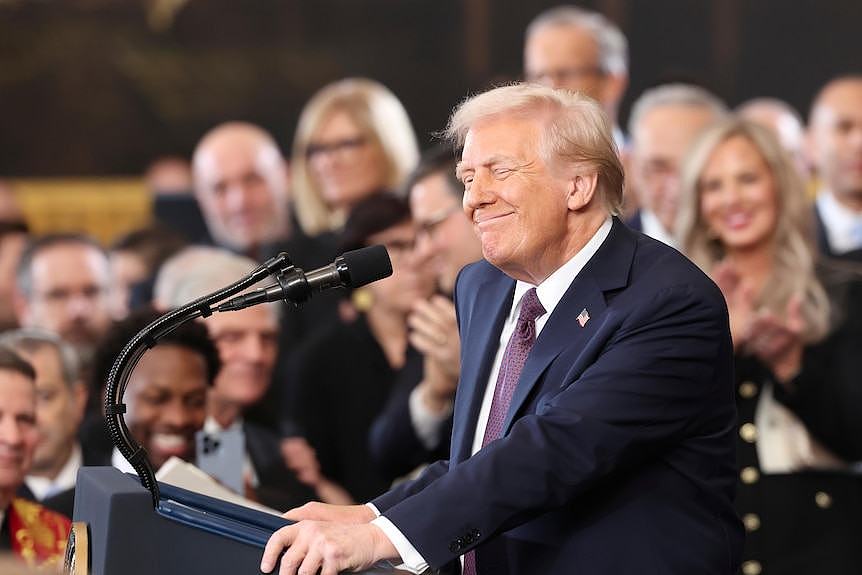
(663, 124)
(569, 47)
(247, 344)
(595, 408)
(60, 400)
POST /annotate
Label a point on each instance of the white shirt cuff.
(427, 423)
(412, 560)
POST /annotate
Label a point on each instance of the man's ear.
(583, 187)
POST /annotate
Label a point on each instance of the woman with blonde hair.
(354, 139)
(745, 221)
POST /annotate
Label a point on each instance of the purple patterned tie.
(517, 350)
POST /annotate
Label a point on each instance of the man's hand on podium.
(328, 538)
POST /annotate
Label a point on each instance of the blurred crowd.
(337, 399)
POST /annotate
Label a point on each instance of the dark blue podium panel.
(189, 533)
(128, 537)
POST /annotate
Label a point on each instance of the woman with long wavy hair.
(745, 221)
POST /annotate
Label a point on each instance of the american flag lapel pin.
(583, 317)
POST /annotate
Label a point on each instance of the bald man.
(835, 147)
(240, 182)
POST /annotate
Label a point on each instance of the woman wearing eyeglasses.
(353, 138)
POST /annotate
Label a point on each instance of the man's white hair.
(612, 43)
(682, 95)
(197, 271)
(576, 131)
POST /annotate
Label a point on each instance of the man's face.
(59, 410)
(70, 294)
(515, 199)
(18, 433)
(241, 186)
(445, 238)
(247, 342)
(166, 402)
(566, 57)
(836, 140)
(659, 144)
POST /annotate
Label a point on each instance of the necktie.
(514, 357)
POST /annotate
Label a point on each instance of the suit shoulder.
(658, 266)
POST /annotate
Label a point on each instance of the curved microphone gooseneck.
(352, 269)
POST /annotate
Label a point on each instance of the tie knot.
(531, 307)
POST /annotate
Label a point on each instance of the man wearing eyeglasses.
(582, 51)
(63, 287)
(416, 424)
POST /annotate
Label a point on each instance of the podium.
(189, 533)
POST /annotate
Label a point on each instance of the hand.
(739, 297)
(327, 547)
(434, 332)
(301, 458)
(315, 511)
(777, 341)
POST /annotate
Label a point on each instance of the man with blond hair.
(595, 409)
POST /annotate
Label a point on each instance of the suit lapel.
(493, 301)
(607, 270)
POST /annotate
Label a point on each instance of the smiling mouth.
(483, 220)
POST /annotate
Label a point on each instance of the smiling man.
(167, 391)
(27, 529)
(595, 407)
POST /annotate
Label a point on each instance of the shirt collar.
(551, 291)
(839, 222)
(43, 487)
(653, 227)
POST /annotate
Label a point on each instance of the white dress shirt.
(843, 225)
(43, 487)
(653, 227)
(549, 292)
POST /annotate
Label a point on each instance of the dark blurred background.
(104, 86)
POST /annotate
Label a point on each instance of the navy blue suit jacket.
(618, 453)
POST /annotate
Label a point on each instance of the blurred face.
(836, 140)
(661, 140)
(59, 411)
(566, 57)
(444, 240)
(241, 186)
(514, 198)
(247, 342)
(70, 294)
(738, 199)
(166, 402)
(409, 282)
(127, 269)
(346, 164)
(18, 433)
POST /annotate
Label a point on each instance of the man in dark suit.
(594, 419)
(835, 138)
(61, 398)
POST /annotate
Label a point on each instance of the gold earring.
(362, 299)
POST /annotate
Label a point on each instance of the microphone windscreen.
(367, 265)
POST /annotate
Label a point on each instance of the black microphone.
(351, 269)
